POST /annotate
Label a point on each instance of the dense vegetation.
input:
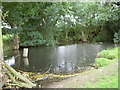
(43, 23)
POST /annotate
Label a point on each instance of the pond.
(58, 59)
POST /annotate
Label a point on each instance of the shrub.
(103, 53)
(109, 54)
(99, 62)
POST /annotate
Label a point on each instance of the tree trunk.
(16, 41)
(15, 37)
(84, 38)
(66, 36)
(1, 43)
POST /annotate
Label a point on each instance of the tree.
(50, 23)
(1, 45)
(11, 17)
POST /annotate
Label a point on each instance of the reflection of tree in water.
(18, 59)
(65, 58)
(87, 54)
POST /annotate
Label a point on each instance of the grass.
(106, 57)
(100, 62)
(109, 53)
(104, 82)
(108, 80)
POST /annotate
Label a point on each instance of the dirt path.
(85, 77)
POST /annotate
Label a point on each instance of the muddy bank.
(85, 77)
(44, 79)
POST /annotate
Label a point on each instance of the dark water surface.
(59, 59)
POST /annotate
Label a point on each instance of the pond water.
(58, 59)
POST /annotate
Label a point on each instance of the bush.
(99, 62)
(103, 53)
(109, 54)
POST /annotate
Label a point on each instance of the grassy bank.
(106, 79)
(106, 57)
(104, 82)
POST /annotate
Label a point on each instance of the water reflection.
(26, 62)
(15, 60)
(10, 61)
(62, 59)
(66, 59)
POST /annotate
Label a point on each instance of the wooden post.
(25, 52)
(1, 43)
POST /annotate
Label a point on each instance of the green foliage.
(117, 37)
(100, 62)
(109, 54)
(103, 36)
(7, 37)
(43, 23)
(105, 57)
(103, 53)
(7, 42)
(31, 39)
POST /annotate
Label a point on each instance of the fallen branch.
(16, 82)
(42, 79)
(18, 75)
(48, 69)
